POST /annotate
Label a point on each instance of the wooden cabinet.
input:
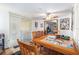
(51, 27)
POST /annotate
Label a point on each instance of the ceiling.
(38, 8)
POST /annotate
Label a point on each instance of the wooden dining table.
(55, 47)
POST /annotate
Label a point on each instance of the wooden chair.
(37, 34)
(27, 49)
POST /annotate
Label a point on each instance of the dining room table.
(69, 50)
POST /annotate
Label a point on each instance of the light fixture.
(50, 11)
(43, 15)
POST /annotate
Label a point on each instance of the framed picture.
(41, 25)
(36, 24)
(65, 24)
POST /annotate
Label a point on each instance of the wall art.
(65, 24)
(36, 24)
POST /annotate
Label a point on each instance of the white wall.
(76, 24)
(4, 21)
(4, 25)
(20, 28)
(39, 28)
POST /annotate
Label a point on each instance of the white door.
(13, 29)
(19, 28)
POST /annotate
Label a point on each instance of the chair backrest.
(37, 34)
(26, 49)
